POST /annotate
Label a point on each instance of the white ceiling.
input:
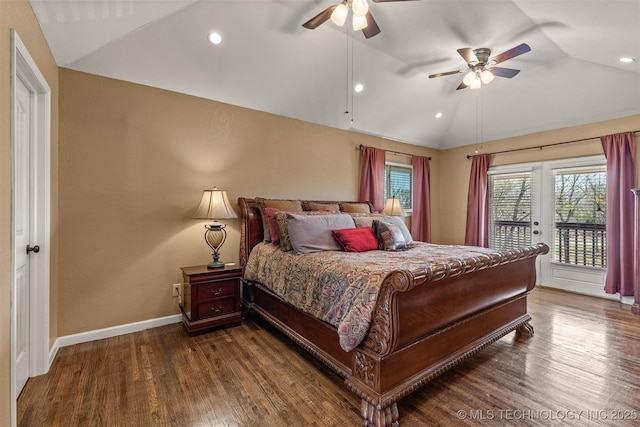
(268, 62)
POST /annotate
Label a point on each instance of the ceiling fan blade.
(448, 73)
(468, 55)
(372, 28)
(504, 72)
(462, 86)
(511, 53)
(320, 18)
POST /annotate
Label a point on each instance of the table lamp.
(215, 205)
(393, 207)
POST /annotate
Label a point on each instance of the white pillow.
(312, 233)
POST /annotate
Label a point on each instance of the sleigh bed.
(427, 315)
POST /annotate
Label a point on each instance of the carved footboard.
(426, 322)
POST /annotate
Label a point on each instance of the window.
(510, 202)
(580, 215)
(398, 183)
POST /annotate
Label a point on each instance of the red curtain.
(421, 217)
(620, 151)
(477, 232)
(372, 177)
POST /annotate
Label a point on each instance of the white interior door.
(23, 113)
(31, 219)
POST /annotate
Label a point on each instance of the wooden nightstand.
(211, 297)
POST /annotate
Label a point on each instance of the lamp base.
(215, 264)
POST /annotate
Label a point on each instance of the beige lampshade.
(393, 207)
(214, 205)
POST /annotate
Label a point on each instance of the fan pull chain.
(350, 87)
(346, 101)
(349, 76)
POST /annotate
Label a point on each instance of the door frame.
(23, 67)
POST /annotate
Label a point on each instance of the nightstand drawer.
(217, 307)
(211, 297)
(217, 289)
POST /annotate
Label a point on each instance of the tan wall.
(133, 163)
(455, 167)
(19, 16)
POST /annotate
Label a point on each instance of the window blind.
(398, 183)
(510, 201)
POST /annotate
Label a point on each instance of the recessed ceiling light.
(626, 59)
(215, 38)
(358, 87)
(438, 115)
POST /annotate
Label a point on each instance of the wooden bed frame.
(424, 322)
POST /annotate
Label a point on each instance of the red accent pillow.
(356, 239)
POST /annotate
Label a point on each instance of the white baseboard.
(110, 332)
(627, 300)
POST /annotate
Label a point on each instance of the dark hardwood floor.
(582, 367)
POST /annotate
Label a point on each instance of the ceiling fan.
(481, 69)
(362, 19)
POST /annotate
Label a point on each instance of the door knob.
(34, 249)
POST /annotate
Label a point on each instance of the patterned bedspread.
(341, 288)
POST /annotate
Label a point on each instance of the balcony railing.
(574, 242)
(508, 235)
(581, 244)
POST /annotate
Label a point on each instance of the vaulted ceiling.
(267, 61)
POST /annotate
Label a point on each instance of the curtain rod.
(361, 147)
(540, 147)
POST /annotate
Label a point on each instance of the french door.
(561, 203)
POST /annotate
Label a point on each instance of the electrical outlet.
(177, 289)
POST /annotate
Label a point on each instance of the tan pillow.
(281, 205)
(284, 205)
(313, 206)
(355, 207)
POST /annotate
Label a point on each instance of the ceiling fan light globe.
(360, 7)
(486, 76)
(476, 84)
(469, 78)
(339, 15)
(359, 22)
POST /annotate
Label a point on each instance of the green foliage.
(580, 197)
(511, 198)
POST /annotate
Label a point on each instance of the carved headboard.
(251, 232)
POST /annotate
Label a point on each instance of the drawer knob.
(216, 310)
(216, 292)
